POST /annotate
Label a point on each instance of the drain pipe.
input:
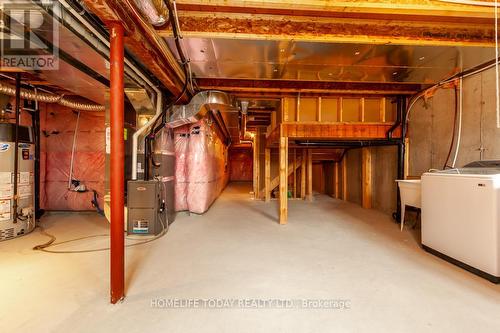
(137, 71)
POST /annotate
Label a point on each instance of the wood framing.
(331, 131)
(295, 173)
(366, 172)
(336, 180)
(339, 22)
(303, 174)
(256, 165)
(267, 176)
(344, 178)
(309, 176)
(283, 207)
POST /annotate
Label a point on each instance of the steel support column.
(117, 162)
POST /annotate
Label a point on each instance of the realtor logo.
(29, 34)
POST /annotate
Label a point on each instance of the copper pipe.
(117, 162)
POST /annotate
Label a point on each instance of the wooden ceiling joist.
(142, 40)
(411, 22)
(291, 86)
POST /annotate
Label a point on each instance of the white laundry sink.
(411, 195)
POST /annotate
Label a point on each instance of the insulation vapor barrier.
(202, 172)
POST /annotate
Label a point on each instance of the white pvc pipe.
(135, 137)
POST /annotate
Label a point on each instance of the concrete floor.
(329, 250)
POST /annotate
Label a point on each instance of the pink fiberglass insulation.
(206, 167)
(181, 136)
(89, 158)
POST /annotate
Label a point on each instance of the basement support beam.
(303, 173)
(366, 170)
(309, 176)
(336, 180)
(283, 210)
(344, 178)
(117, 161)
(267, 172)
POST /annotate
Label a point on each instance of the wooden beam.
(340, 109)
(407, 158)
(344, 178)
(385, 10)
(256, 165)
(283, 210)
(142, 40)
(281, 86)
(331, 30)
(267, 171)
(295, 173)
(382, 109)
(362, 109)
(318, 111)
(275, 182)
(336, 180)
(366, 177)
(303, 173)
(309, 176)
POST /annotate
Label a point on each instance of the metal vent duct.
(200, 105)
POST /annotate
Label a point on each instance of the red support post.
(117, 161)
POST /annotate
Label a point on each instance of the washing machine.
(461, 217)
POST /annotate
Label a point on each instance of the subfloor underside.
(330, 250)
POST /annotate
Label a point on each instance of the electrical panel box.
(146, 208)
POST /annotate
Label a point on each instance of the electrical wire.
(454, 130)
(51, 243)
(497, 71)
(460, 116)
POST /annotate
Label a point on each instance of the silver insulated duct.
(200, 105)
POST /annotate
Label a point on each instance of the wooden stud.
(366, 170)
(303, 174)
(295, 173)
(267, 177)
(344, 178)
(297, 109)
(362, 109)
(336, 180)
(407, 158)
(382, 109)
(283, 213)
(318, 116)
(256, 164)
(340, 109)
(309, 176)
(284, 110)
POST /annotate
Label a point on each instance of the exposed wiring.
(51, 243)
(460, 116)
(497, 71)
(453, 135)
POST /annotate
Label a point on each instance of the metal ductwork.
(200, 105)
(155, 11)
(50, 98)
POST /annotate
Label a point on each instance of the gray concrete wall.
(431, 126)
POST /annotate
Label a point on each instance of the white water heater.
(14, 224)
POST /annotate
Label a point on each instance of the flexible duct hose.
(50, 98)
